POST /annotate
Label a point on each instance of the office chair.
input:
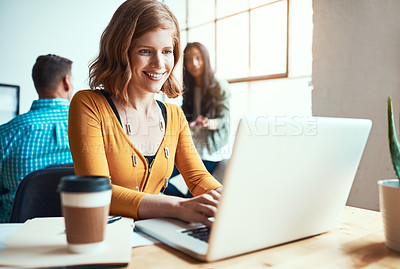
(37, 195)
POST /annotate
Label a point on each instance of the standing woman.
(117, 129)
(206, 106)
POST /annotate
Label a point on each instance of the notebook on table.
(288, 178)
(42, 243)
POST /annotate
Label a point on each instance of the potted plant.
(389, 190)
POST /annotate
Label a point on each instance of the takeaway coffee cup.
(85, 202)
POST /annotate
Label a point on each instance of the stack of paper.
(41, 242)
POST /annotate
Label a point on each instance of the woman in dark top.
(206, 107)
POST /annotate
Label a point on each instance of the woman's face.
(152, 60)
(194, 62)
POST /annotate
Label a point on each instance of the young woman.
(118, 129)
(206, 106)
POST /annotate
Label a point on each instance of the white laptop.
(288, 178)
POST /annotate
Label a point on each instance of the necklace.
(129, 132)
(128, 125)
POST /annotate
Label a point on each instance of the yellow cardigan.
(100, 147)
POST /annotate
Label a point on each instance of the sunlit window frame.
(251, 78)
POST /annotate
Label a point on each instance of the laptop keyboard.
(202, 233)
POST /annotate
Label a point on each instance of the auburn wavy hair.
(111, 70)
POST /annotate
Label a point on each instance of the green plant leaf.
(393, 142)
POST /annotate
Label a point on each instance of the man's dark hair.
(48, 71)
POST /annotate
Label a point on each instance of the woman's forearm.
(158, 206)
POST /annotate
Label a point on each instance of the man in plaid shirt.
(38, 138)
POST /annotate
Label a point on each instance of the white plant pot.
(389, 204)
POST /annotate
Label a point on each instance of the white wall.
(356, 65)
(71, 29)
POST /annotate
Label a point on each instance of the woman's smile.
(152, 60)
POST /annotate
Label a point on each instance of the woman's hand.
(196, 209)
(199, 208)
(205, 123)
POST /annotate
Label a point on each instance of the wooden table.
(358, 242)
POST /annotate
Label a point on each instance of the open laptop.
(288, 178)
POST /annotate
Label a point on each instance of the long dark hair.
(209, 85)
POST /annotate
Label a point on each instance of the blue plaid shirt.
(29, 142)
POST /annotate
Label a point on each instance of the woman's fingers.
(197, 121)
(204, 122)
(216, 194)
(203, 214)
(200, 208)
(207, 199)
(204, 220)
(207, 210)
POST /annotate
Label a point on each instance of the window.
(247, 39)
(9, 94)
